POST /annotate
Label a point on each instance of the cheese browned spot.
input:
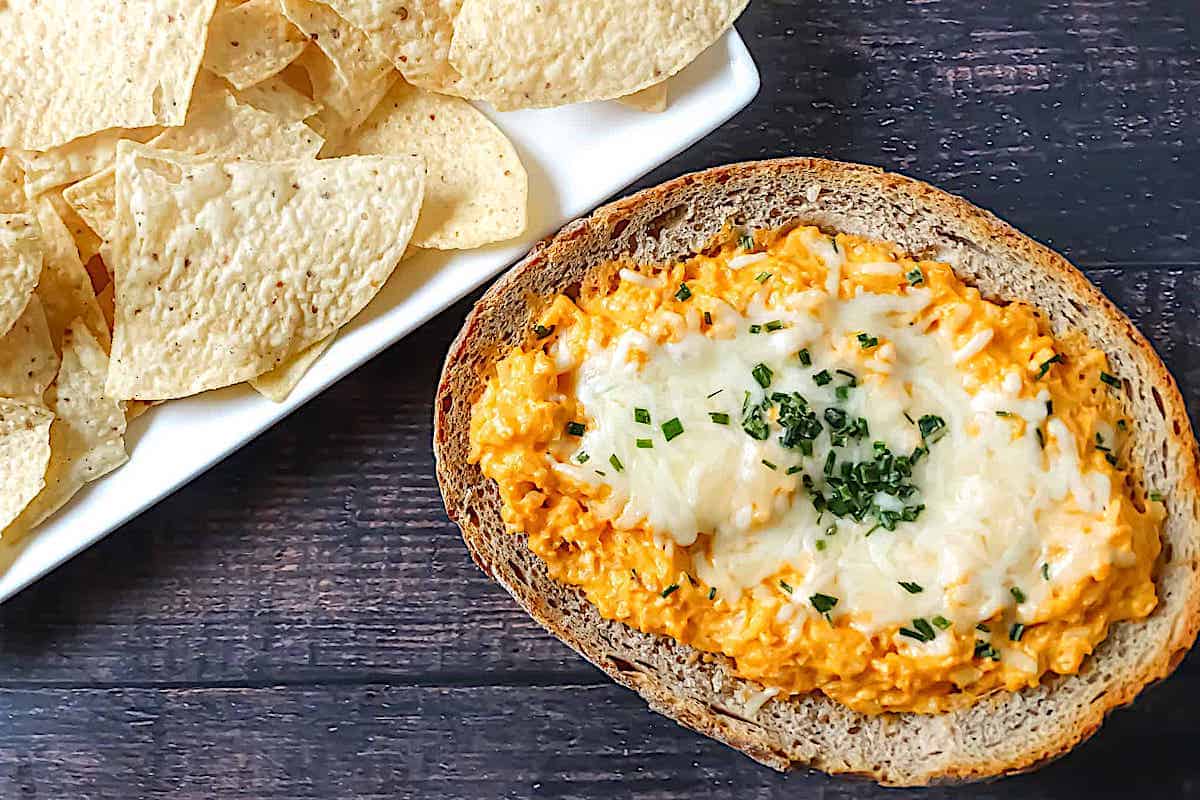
(863, 458)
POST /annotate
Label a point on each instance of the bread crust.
(1003, 734)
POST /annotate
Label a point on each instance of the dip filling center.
(836, 465)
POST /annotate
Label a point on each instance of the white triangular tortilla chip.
(20, 265)
(476, 187)
(276, 96)
(277, 384)
(250, 42)
(225, 269)
(65, 287)
(357, 67)
(414, 34)
(75, 160)
(28, 362)
(519, 54)
(12, 185)
(73, 67)
(87, 438)
(24, 453)
(218, 125)
(87, 243)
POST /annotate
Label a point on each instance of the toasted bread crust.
(1003, 734)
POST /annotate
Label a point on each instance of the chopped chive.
(792, 470)
(785, 586)
(641, 415)
(684, 293)
(1044, 367)
(719, 417)
(843, 393)
(756, 328)
(712, 593)
(915, 277)
(1017, 594)
(762, 375)
(831, 530)
(833, 241)
(1045, 571)
(1049, 408)
(774, 325)
(746, 241)
(805, 358)
(822, 378)
(644, 444)
(1111, 459)
(601, 474)
(714, 394)
(830, 460)
(912, 588)
(1041, 437)
(762, 277)
(910, 419)
(1111, 380)
(670, 590)
(932, 428)
(541, 331)
(1122, 425)
(1016, 631)
(823, 603)
(848, 374)
(575, 428)
(769, 465)
(1004, 413)
(707, 318)
(672, 428)
(582, 458)
(918, 635)
(1157, 497)
(985, 650)
(924, 628)
(866, 341)
(819, 544)
(616, 462)
(941, 622)
(983, 627)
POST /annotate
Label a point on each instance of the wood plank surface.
(304, 622)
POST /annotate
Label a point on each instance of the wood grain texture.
(304, 622)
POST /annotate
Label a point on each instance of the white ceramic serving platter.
(577, 156)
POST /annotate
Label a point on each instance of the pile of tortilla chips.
(198, 193)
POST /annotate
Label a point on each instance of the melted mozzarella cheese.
(1003, 510)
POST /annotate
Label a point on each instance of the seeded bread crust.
(1002, 734)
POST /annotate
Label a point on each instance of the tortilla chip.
(334, 126)
(476, 189)
(86, 240)
(75, 160)
(74, 67)
(414, 34)
(357, 67)
(218, 125)
(28, 362)
(20, 265)
(12, 186)
(519, 54)
(24, 453)
(225, 269)
(87, 438)
(106, 297)
(276, 96)
(277, 384)
(249, 43)
(652, 98)
(65, 287)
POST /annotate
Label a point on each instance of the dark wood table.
(303, 622)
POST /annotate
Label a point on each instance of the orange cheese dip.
(797, 597)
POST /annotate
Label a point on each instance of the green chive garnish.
(983, 627)
(1003, 413)
(541, 331)
(616, 462)
(769, 465)
(762, 375)
(719, 417)
(712, 593)
(756, 328)
(707, 318)
(1111, 380)
(1045, 572)
(746, 241)
(822, 378)
(762, 277)
(670, 590)
(866, 341)
(582, 458)
(1045, 366)
(985, 650)
(805, 358)
(1157, 497)
(774, 325)
(575, 428)
(941, 622)
(1017, 594)
(823, 603)
(912, 588)
(915, 277)
(672, 428)
(644, 444)
(1016, 631)
(819, 544)
(641, 415)
(684, 293)
(783, 585)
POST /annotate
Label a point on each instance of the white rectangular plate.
(576, 157)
